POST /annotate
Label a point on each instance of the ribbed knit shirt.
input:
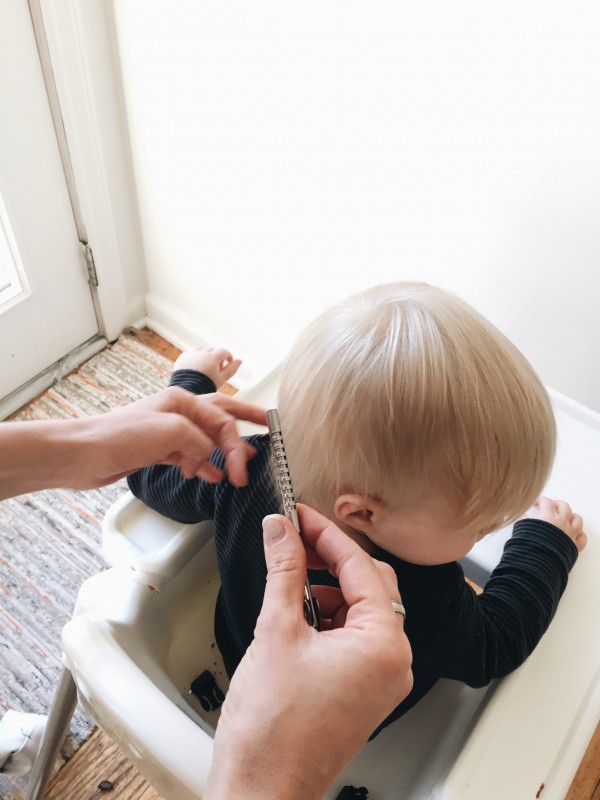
(454, 633)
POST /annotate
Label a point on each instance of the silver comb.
(284, 479)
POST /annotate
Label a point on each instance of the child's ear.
(359, 511)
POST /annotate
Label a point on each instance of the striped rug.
(50, 541)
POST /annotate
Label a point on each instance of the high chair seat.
(143, 630)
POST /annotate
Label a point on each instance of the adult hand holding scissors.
(298, 708)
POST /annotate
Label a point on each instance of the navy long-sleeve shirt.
(454, 633)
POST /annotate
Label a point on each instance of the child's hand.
(561, 515)
(215, 362)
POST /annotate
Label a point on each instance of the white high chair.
(142, 631)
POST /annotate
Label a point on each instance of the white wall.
(287, 154)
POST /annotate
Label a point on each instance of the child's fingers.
(577, 533)
(560, 513)
(581, 541)
(576, 524)
(206, 358)
(220, 354)
(563, 509)
(545, 505)
(228, 367)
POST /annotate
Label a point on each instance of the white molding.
(136, 310)
(75, 62)
(186, 332)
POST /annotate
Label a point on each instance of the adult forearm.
(268, 755)
(170, 427)
(254, 782)
(43, 455)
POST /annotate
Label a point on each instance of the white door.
(46, 307)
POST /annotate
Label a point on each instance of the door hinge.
(91, 266)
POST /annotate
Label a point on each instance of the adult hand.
(175, 427)
(170, 427)
(302, 703)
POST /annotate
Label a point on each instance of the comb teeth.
(283, 472)
(284, 479)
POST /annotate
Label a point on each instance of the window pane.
(11, 281)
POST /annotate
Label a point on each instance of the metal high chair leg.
(55, 732)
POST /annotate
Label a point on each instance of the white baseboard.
(186, 332)
(136, 311)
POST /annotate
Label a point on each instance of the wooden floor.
(100, 760)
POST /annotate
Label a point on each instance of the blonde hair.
(404, 392)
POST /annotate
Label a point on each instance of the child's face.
(423, 536)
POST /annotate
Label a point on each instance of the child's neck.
(361, 539)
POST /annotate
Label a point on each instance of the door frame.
(78, 51)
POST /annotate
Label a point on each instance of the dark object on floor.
(205, 688)
(106, 786)
(353, 793)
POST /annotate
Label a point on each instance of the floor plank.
(586, 783)
(156, 342)
(100, 759)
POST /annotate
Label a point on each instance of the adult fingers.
(179, 441)
(193, 462)
(216, 416)
(283, 604)
(238, 408)
(333, 608)
(211, 411)
(222, 426)
(360, 578)
(208, 472)
(331, 599)
(388, 578)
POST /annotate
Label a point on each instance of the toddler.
(418, 428)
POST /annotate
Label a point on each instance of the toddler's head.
(405, 411)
